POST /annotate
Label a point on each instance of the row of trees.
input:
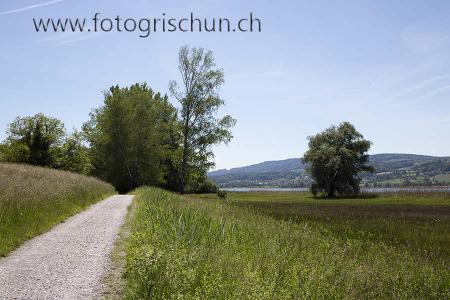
(42, 141)
(137, 137)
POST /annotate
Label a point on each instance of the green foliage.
(41, 140)
(206, 186)
(74, 156)
(192, 248)
(133, 138)
(136, 138)
(3, 149)
(33, 140)
(314, 189)
(200, 102)
(336, 157)
(34, 199)
(15, 152)
(222, 194)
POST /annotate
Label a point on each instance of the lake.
(364, 190)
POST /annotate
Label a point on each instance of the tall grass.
(186, 248)
(419, 224)
(34, 199)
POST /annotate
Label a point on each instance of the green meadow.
(34, 199)
(288, 245)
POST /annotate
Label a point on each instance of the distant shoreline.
(364, 190)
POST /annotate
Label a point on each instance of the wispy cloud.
(426, 37)
(425, 88)
(61, 39)
(331, 94)
(434, 92)
(79, 38)
(17, 10)
(258, 75)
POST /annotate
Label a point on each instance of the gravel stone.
(70, 260)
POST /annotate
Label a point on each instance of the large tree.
(336, 156)
(198, 95)
(130, 137)
(33, 140)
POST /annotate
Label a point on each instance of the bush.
(206, 187)
(314, 189)
(222, 194)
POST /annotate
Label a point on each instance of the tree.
(33, 140)
(335, 157)
(200, 102)
(74, 156)
(129, 137)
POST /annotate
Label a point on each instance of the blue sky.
(382, 65)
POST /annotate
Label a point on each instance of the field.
(33, 199)
(288, 245)
(442, 178)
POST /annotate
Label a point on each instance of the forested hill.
(390, 170)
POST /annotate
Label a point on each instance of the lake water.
(364, 190)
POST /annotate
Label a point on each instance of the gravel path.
(69, 261)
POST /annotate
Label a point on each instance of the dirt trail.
(69, 261)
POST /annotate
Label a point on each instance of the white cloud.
(17, 10)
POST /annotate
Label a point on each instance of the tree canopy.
(41, 140)
(74, 155)
(137, 137)
(131, 136)
(198, 95)
(33, 140)
(336, 156)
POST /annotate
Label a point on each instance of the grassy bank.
(189, 247)
(33, 199)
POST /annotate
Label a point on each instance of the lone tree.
(199, 99)
(335, 157)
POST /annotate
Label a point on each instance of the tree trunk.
(183, 170)
(331, 191)
(184, 160)
(332, 186)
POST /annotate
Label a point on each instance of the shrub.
(206, 187)
(222, 194)
(314, 189)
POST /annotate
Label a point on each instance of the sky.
(382, 65)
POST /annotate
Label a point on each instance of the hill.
(34, 199)
(391, 169)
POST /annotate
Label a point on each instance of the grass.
(412, 222)
(34, 199)
(113, 281)
(445, 178)
(254, 247)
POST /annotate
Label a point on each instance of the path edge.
(113, 281)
